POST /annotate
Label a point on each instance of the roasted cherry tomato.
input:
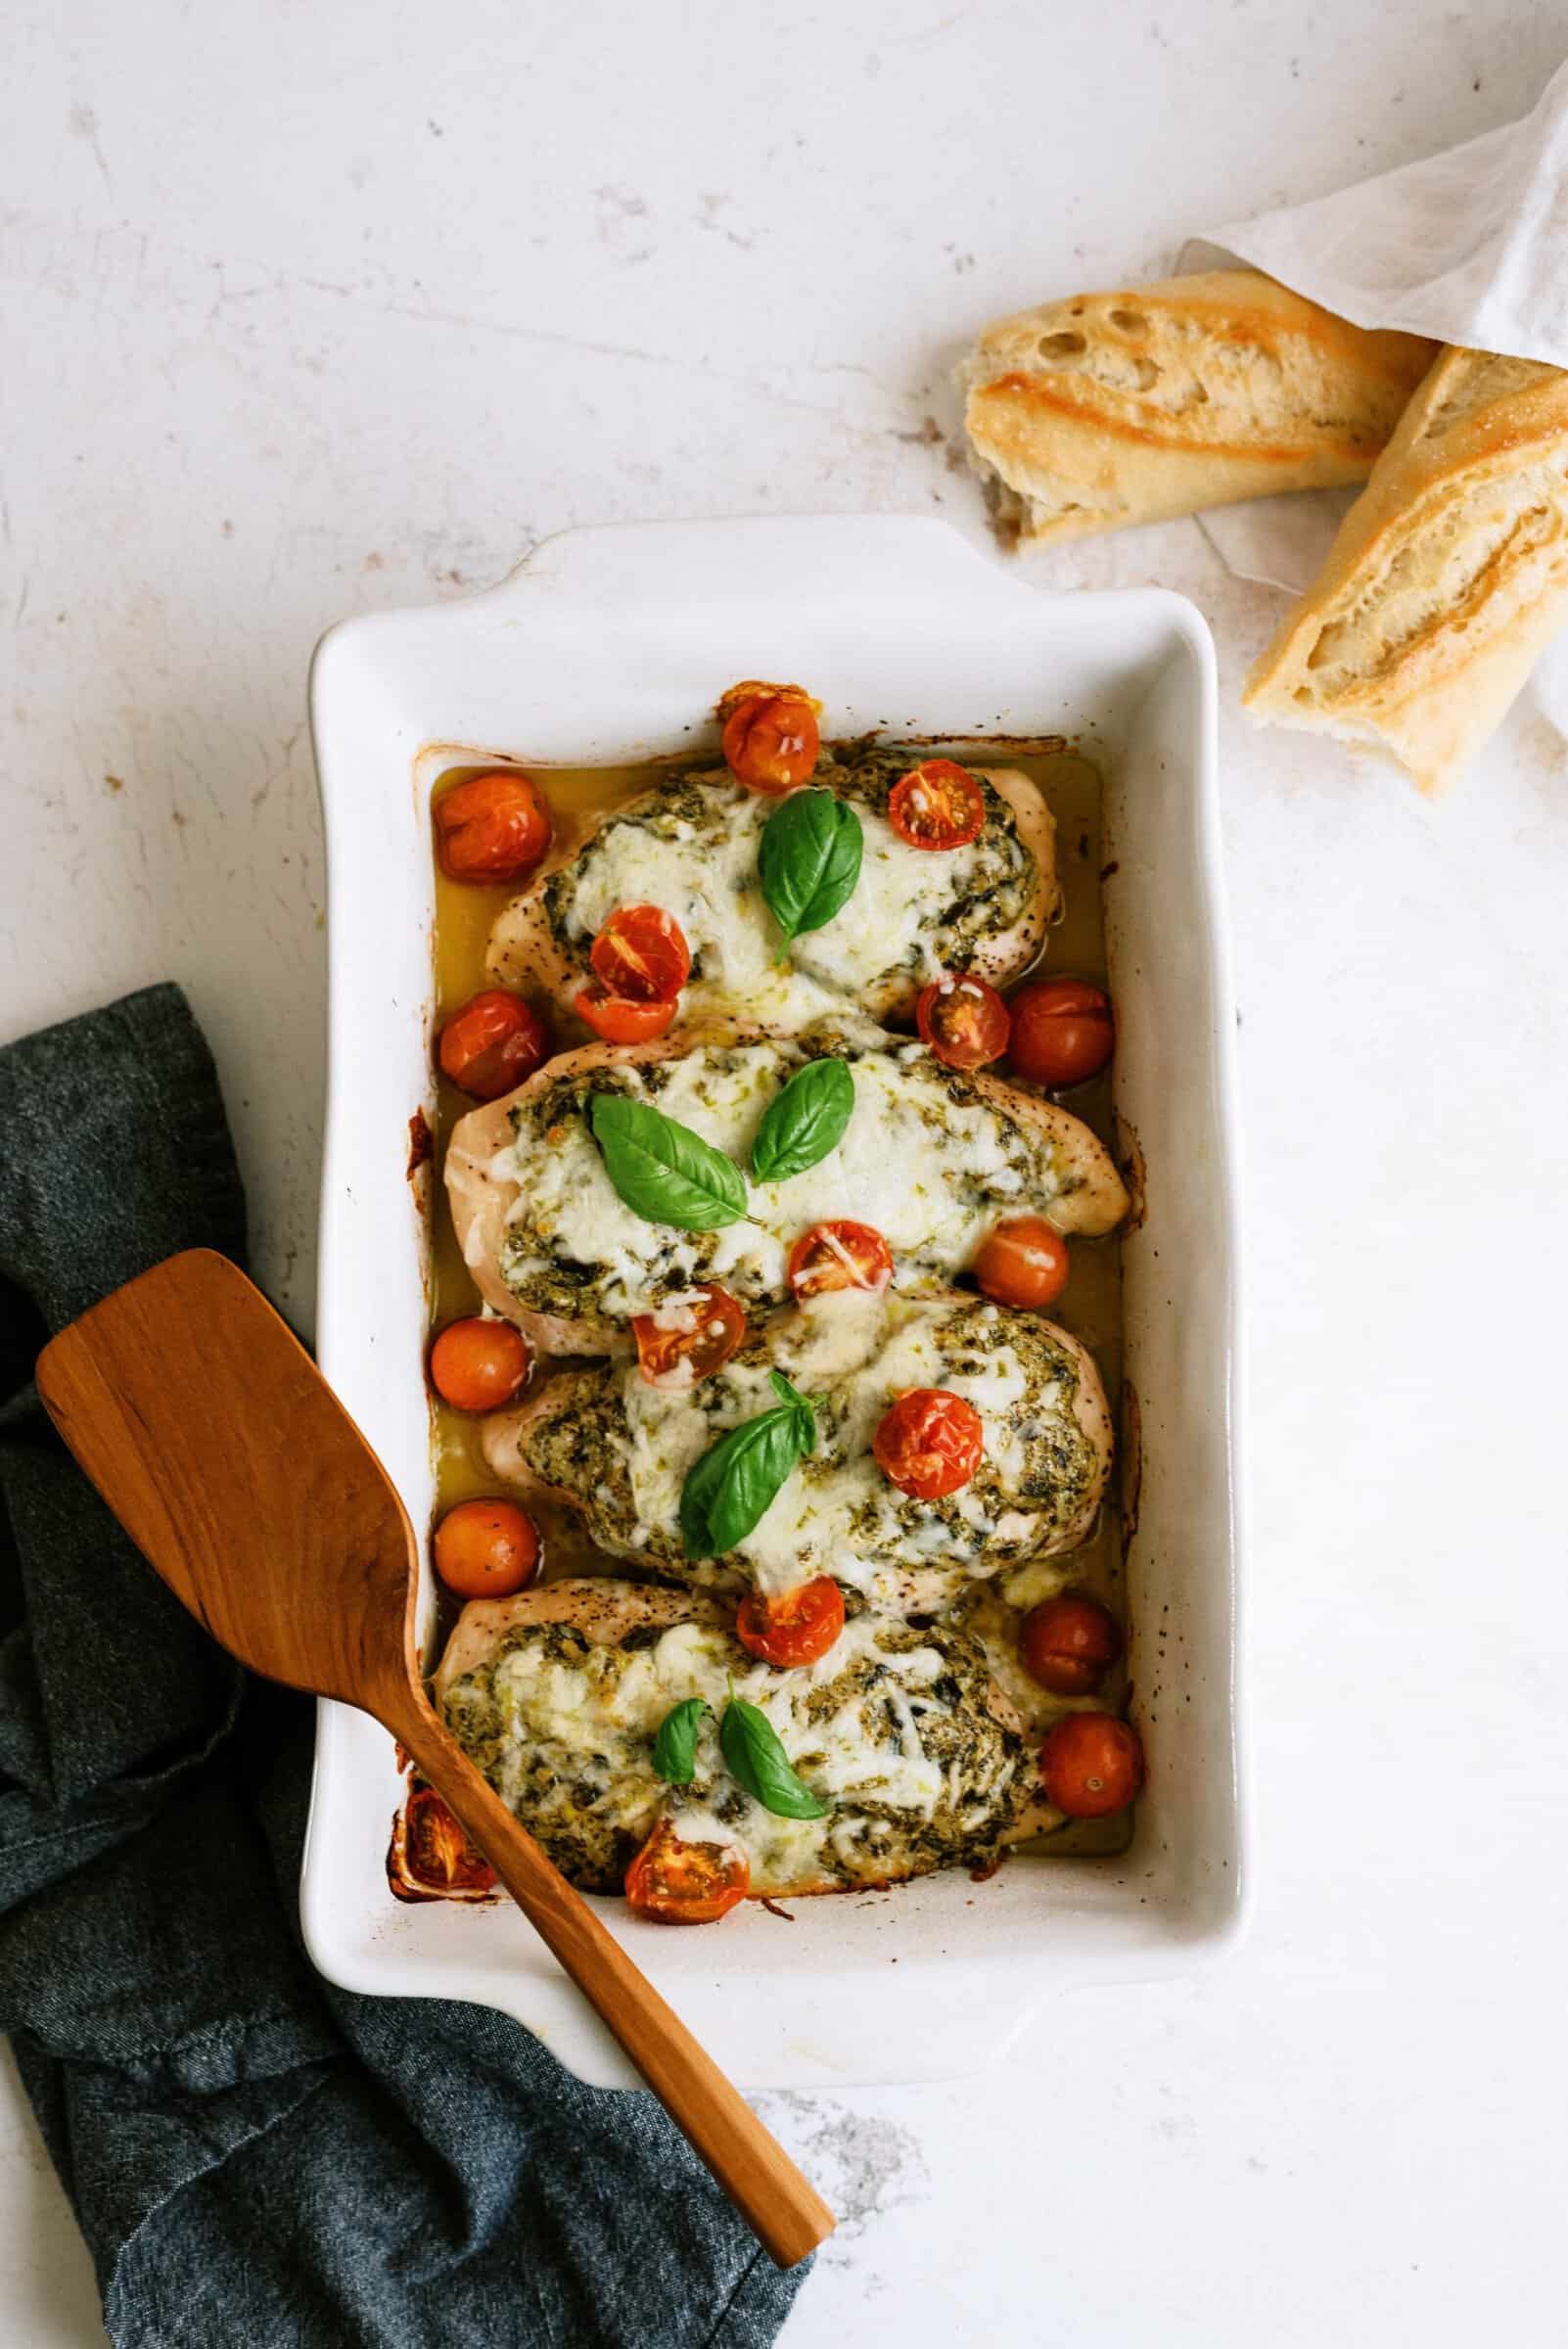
(492, 1043)
(491, 828)
(1063, 1030)
(642, 952)
(678, 1883)
(963, 1020)
(1092, 1763)
(682, 1343)
(436, 1853)
(487, 1549)
(929, 1443)
(478, 1364)
(1069, 1643)
(618, 1019)
(770, 738)
(840, 1256)
(794, 1628)
(936, 805)
(1022, 1261)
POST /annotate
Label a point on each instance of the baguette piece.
(1106, 409)
(1448, 576)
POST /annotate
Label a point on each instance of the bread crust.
(1448, 574)
(524, 954)
(482, 1196)
(1108, 410)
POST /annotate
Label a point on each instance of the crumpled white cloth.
(1468, 247)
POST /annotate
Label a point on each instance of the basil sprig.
(738, 1478)
(809, 860)
(674, 1754)
(662, 1171)
(757, 1761)
(804, 1120)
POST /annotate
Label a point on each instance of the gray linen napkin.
(254, 2156)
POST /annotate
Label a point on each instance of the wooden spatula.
(221, 1449)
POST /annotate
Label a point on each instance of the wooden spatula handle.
(757, 2174)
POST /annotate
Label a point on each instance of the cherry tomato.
(491, 828)
(936, 805)
(963, 1020)
(487, 1549)
(1063, 1030)
(794, 1628)
(675, 1353)
(493, 1042)
(1069, 1643)
(929, 1443)
(642, 952)
(678, 1883)
(1022, 1261)
(479, 1364)
(840, 1256)
(618, 1019)
(1092, 1763)
(770, 738)
(436, 1853)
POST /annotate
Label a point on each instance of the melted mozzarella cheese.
(837, 1512)
(604, 1708)
(706, 876)
(927, 1171)
(901, 899)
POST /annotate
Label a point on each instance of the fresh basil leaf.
(802, 1407)
(809, 860)
(804, 1119)
(737, 1479)
(662, 1171)
(757, 1761)
(674, 1754)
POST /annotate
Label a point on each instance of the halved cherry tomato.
(840, 1256)
(437, 1851)
(491, 828)
(929, 1443)
(478, 1364)
(679, 1345)
(794, 1628)
(677, 1883)
(642, 952)
(1064, 1030)
(618, 1018)
(963, 1020)
(1092, 1763)
(936, 805)
(493, 1042)
(770, 738)
(1022, 1261)
(1069, 1643)
(487, 1549)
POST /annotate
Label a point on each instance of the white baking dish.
(601, 649)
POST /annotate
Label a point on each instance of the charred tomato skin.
(675, 1883)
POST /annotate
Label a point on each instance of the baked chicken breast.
(933, 1157)
(557, 1697)
(690, 845)
(617, 1450)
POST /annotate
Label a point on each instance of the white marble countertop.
(313, 312)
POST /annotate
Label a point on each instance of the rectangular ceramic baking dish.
(601, 649)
